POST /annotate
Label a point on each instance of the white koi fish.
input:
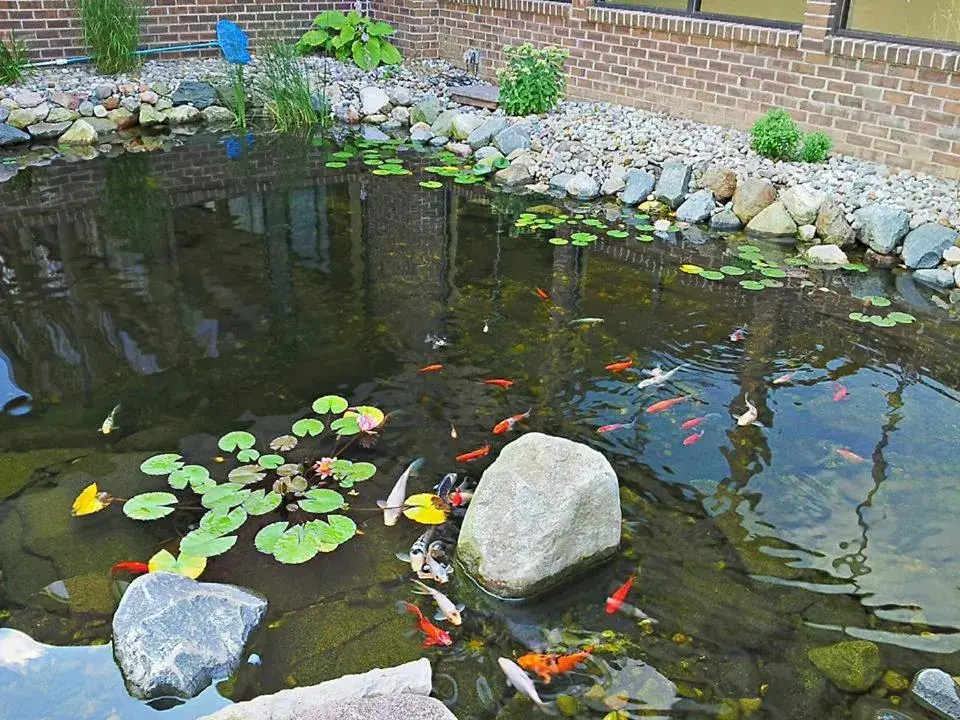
(109, 425)
(750, 416)
(446, 610)
(519, 679)
(659, 377)
(393, 505)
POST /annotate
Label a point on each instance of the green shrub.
(533, 80)
(776, 135)
(815, 147)
(351, 35)
(13, 60)
(111, 29)
(285, 88)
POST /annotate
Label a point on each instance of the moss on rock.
(853, 665)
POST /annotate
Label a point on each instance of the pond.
(208, 291)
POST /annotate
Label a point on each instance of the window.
(764, 12)
(917, 20)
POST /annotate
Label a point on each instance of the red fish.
(430, 368)
(691, 439)
(615, 601)
(783, 378)
(474, 454)
(130, 566)
(432, 634)
(460, 497)
(507, 425)
(499, 382)
(619, 366)
(850, 455)
(693, 422)
(542, 294)
(659, 407)
(841, 392)
(738, 335)
(615, 426)
(546, 665)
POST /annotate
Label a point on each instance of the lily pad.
(321, 500)
(149, 506)
(222, 521)
(425, 508)
(270, 462)
(771, 283)
(334, 164)
(773, 272)
(200, 543)
(307, 426)
(881, 321)
(855, 316)
(877, 300)
(584, 236)
(346, 426)
(344, 527)
(161, 464)
(283, 443)
(236, 440)
(224, 496)
(267, 538)
(330, 404)
(752, 285)
(902, 317)
(361, 471)
(288, 470)
(618, 234)
(732, 270)
(645, 238)
(261, 502)
(248, 455)
(373, 162)
(431, 184)
(342, 155)
(580, 243)
(712, 275)
(464, 179)
(324, 533)
(691, 269)
(295, 546)
(188, 475)
(246, 474)
(185, 565)
(558, 241)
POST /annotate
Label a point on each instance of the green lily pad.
(372, 161)
(712, 275)
(321, 500)
(464, 179)
(772, 272)
(200, 543)
(346, 426)
(224, 496)
(361, 471)
(877, 300)
(260, 502)
(771, 283)
(855, 316)
(558, 241)
(344, 527)
(188, 475)
(645, 238)
(586, 237)
(646, 228)
(307, 426)
(579, 243)
(864, 318)
(342, 155)
(881, 321)
(381, 172)
(236, 440)
(248, 455)
(431, 184)
(161, 464)
(902, 317)
(618, 234)
(752, 285)
(267, 538)
(855, 267)
(246, 474)
(330, 404)
(149, 506)
(184, 565)
(222, 521)
(334, 164)
(270, 462)
(323, 533)
(732, 270)
(295, 546)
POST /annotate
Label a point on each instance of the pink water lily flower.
(324, 467)
(367, 423)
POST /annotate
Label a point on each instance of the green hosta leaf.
(773, 272)
(346, 426)
(200, 543)
(343, 527)
(365, 56)
(236, 440)
(248, 455)
(902, 317)
(877, 300)
(389, 55)
(732, 270)
(161, 464)
(246, 475)
(313, 39)
(307, 426)
(330, 404)
(224, 496)
(712, 275)
(267, 538)
(149, 506)
(295, 546)
(380, 29)
(751, 285)
(321, 500)
(619, 234)
(260, 502)
(270, 462)
(223, 522)
(193, 475)
(330, 18)
(361, 471)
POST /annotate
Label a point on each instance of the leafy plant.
(285, 88)
(815, 147)
(533, 80)
(13, 60)
(776, 135)
(351, 35)
(111, 28)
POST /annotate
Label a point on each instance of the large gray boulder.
(484, 134)
(409, 679)
(725, 221)
(385, 707)
(832, 225)
(48, 131)
(773, 221)
(826, 255)
(924, 246)
(938, 692)
(639, 185)
(546, 509)
(941, 278)
(174, 636)
(582, 187)
(426, 110)
(514, 137)
(199, 94)
(443, 125)
(672, 185)
(519, 172)
(752, 196)
(803, 203)
(882, 227)
(464, 124)
(696, 208)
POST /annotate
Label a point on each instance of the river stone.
(373, 100)
(48, 131)
(421, 134)
(22, 118)
(803, 203)
(484, 133)
(514, 137)
(951, 256)
(400, 115)
(129, 103)
(61, 114)
(490, 153)
(924, 246)
(465, 123)
(409, 679)
(443, 125)
(582, 187)
(439, 141)
(150, 116)
(697, 207)
(752, 196)
(807, 233)
(613, 184)
(773, 221)
(853, 665)
(725, 221)
(517, 173)
(826, 255)
(4, 114)
(514, 544)
(721, 181)
(938, 692)
(400, 95)
(639, 185)
(832, 225)
(426, 110)
(174, 636)
(369, 132)
(672, 185)
(559, 181)
(122, 118)
(65, 100)
(882, 226)
(80, 133)
(217, 115)
(182, 115)
(941, 278)
(86, 108)
(199, 94)
(27, 98)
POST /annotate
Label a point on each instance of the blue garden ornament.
(233, 42)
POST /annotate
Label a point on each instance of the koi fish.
(418, 551)
(460, 497)
(750, 416)
(637, 613)
(393, 505)
(783, 378)
(499, 382)
(129, 566)
(850, 455)
(615, 601)
(519, 679)
(474, 454)
(841, 392)
(659, 407)
(693, 438)
(445, 486)
(542, 294)
(566, 663)
(432, 634)
(446, 610)
(658, 377)
(453, 432)
(109, 424)
(431, 368)
(693, 422)
(619, 366)
(586, 321)
(546, 665)
(738, 335)
(505, 426)
(486, 326)
(603, 429)
(433, 569)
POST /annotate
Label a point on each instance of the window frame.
(694, 12)
(840, 29)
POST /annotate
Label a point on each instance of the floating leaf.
(618, 234)
(368, 417)
(188, 475)
(773, 272)
(248, 455)
(236, 440)
(865, 318)
(361, 471)
(293, 484)
(646, 228)
(246, 474)
(296, 546)
(342, 155)
(200, 543)
(149, 506)
(222, 521)
(558, 241)
(323, 533)
(712, 275)
(307, 426)
(89, 501)
(691, 269)
(334, 165)
(270, 462)
(855, 267)
(771, 283)
(283, 443)
(431, 184)
(185, 565)
(346, 426)
(373, 162)
(751, 285)
(260, 502)
(580, 243)
(344, 527)
(732, 270)
(161, 464)
(321, 500)
(585, 237)
(463, 179)
(288, 469)
(425, 508)
(877, 300)
(224, 496)
(645, 238)
(330, 404)
(855, 316)
(902, 317)
(267, 538)
(880, 321)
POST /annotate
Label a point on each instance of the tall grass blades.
(238, 99)
(285, 88)
(13, 60)
(111, 29)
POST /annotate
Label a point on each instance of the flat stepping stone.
(481, 96)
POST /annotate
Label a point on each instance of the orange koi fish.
(615, 426)
(615, 601)
(430, 368)
(499, 382)
(691, 439)
(507, 425)
(693, 422)
(432, 634)
(850, 455)
(474, 454)
(546, 665)
(129, 566)
(619, 366)
(663, 405)
(841, 392)
(783, 378)
(542, 294)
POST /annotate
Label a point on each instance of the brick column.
(818, 22)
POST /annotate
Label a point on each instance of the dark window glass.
(937, 20)
(790, 11)
(652, 5)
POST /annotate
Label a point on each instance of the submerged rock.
(752, 196)
(174, 636)
(938, 692)
(853, 665)
(672, 185)
(514, 544)
(882, 227)
(924, 246)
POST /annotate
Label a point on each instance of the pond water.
(209, 293)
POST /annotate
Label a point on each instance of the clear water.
(207, 293)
